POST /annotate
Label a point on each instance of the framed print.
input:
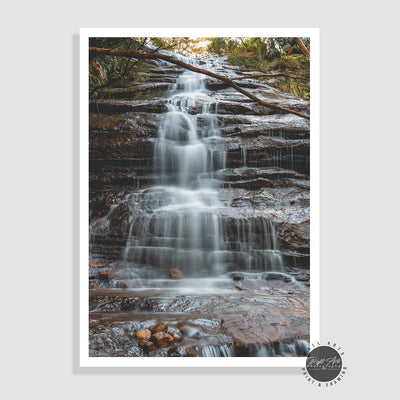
(199, 196)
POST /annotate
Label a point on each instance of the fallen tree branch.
(93, 51)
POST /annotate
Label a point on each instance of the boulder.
(147, 345)
(162, 339)
(273, 276)
(144, 334)
(238, 277)
(175, 273)
(161, 327)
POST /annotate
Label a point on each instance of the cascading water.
(191, 230)
(236, 295)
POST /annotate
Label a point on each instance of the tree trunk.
(93, 51)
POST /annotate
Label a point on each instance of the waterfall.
(183, 197)
(191, 230)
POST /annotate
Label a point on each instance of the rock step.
(143, 146)
(132, 124)
(158, 77)
(136, 91)
(137, 124)
(156, 262)
(123, 106)
(268, 95)
(130, 277)
(236, 174)
(225, 107)
(129, 180)
(241, 230)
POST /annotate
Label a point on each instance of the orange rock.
(175, 274)
(161, 327)
(144, 334)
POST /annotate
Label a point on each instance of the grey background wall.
(39, 165)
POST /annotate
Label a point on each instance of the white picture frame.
(85, 34)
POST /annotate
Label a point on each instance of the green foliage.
(232, 45)
(271, 49)
(159, 42)
(118, 71)
(254, 54)
(295, 61)
(266, 54)
(250, 61)
(290, 46)
(217, 46)
(296, 70)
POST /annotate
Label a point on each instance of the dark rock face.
(265, 186)
(295, 237)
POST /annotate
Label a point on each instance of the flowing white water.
(192, 230)
(299, 349)
(218, 351)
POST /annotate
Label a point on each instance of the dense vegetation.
(269, 54)
(118, 71)
(284, 56)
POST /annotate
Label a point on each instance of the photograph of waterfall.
(197, 154)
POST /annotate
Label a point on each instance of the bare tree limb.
(156, 56)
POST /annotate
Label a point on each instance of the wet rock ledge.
(251, 317)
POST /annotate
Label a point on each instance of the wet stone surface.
(266, 313)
